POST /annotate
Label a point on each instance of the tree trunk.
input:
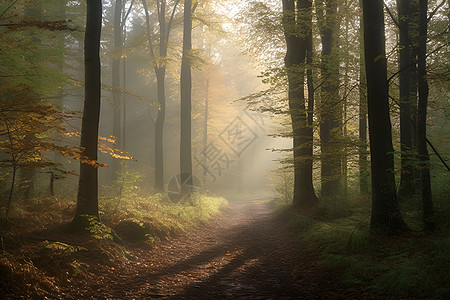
(159, 129)
(11, 190)
(186, 89)
(307, 166)
(296, 34)
(331, 107)
(407, 98)
(124, 99)
(160, 71)
(345, 94)
(385, 213)
(205, 131)
(87, 201)
(429, 222)
(362, 147)
(117, 53)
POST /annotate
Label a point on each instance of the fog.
(201, 149)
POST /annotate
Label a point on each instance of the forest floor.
(245, 253)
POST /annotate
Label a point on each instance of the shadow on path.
(245, 253)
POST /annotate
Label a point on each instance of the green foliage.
(410, 265)
(60, 247)
(31, 82)
(91, 225)
(129, 180)
(284, 185)
(140, 216)
(335, 237)
(407, 276)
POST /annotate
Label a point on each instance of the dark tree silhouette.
(429, 221)
(87, 201)
(362, 146)
(385, 213)
(118, 44)
(408, 91)
(297, 27)
(331, 107)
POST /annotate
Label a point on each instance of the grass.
(156, 217)
(414, 264)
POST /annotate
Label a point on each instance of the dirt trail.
(244, 253)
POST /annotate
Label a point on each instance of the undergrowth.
(155, 217)
(414, 264)
(37, 255)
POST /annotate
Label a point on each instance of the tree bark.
(159, 129)
(345, 94)
(297, 24)
(87, 201)
(407, 99)
(429, 222)
(331, 107)
(205, 130)
(186, 94)
(117, 53)
(160, 71)
(385, 213)
(362, 148)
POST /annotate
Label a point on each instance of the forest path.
(244, 253)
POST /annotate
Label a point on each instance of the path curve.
(244, 253)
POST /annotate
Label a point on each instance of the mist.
(188, 149)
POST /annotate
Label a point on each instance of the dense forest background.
(136, 121)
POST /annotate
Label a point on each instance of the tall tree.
(159, 64)
(186, 95)
(297, 22)
(407, 71)
(87, 200)
(331, 106)
(362, 146)
(422, 118)
(385, 212)
(117, 53)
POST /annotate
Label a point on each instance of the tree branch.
(428, 141)
(435, 10)
(128, 13)
(392, 16)
(11, 5)
(149, 34)
(196, 4)
(171, 20)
